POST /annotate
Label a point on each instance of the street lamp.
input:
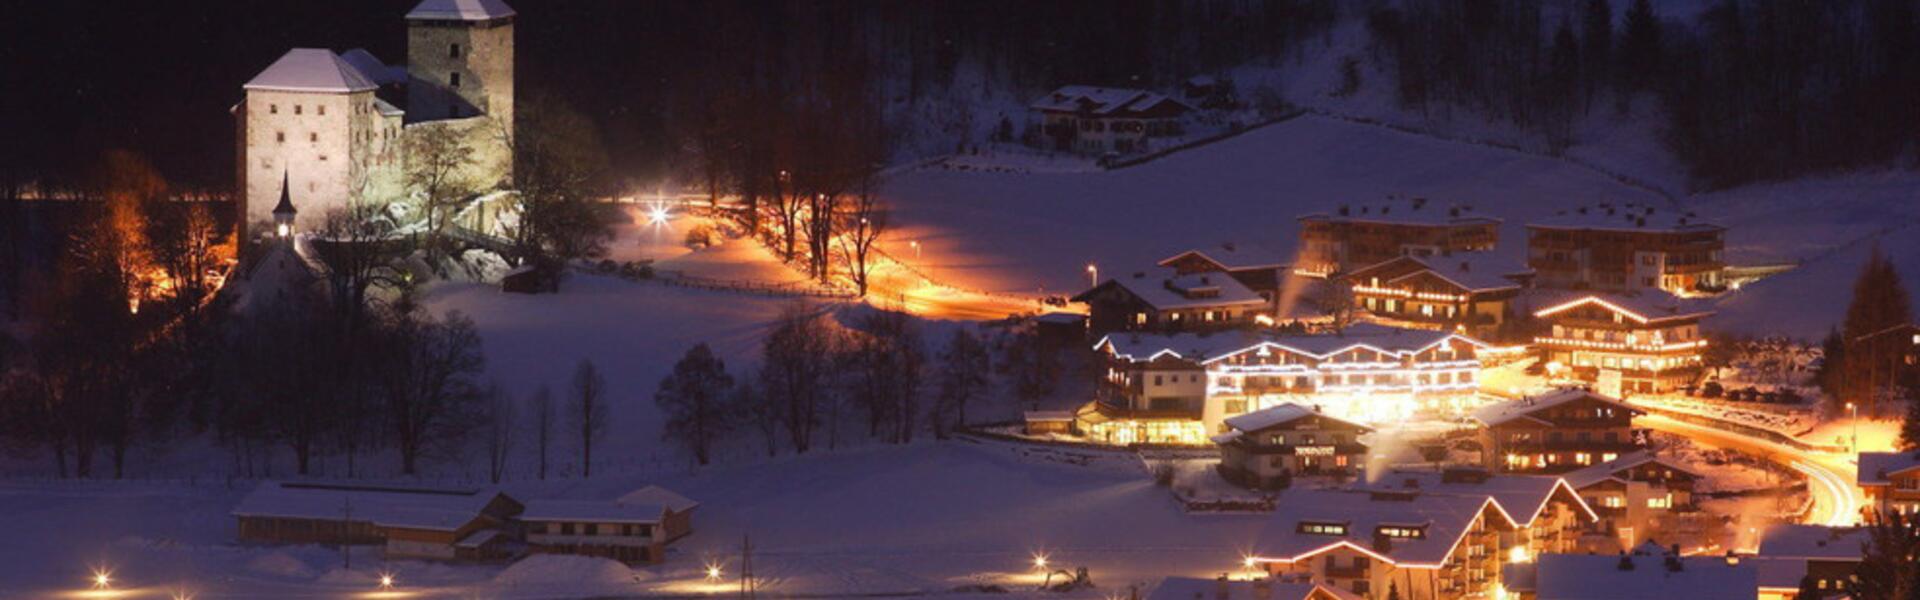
(916, 248)
(1854, 413)
(1093, 275)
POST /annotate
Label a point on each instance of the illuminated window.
(1413, 533)
(1320, 528)
(1613, 501)
(1660, 502)
(1583, 458)
(1139, 318)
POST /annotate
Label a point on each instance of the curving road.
(1830, 478)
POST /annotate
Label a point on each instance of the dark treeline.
(158, 78)
(1752, 89)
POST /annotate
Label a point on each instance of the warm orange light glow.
(386, 581)
(1039, 561)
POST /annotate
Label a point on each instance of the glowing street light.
(657, 215)
(386, 581)
(1093, 275)
(713, 572)
(916, 248)
(1039, 561)
(1854, 414)
(102, 578)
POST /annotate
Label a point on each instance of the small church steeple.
(284, 212)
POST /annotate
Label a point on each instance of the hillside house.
(1647, 573)
(1472, 292)
(1627, 247)
(1646, 343)
(1548, 515)
(1267, 448)
(634, 529)
(1381, 544)
(1789, 553)
(1356, 236)
(1099, 120)
(1171, 301)
(409, 522)
(1639, 496)
(1557, 432)
(1891, 481)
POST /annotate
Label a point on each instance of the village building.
(1261, 270)
(1356, 236)
(1626, 344)
(443, 524)
(1471, 292)
(1180, 388)
(1557, 432)
(331, 124)
(634, 529)
(1627, 247)
(1548, 516)
(1099, 120)
(1264, 588)
(1639, 496)
(1173, 301)
(1891, 481)
(1792, 554)
(1647, 573)
(1382, 544)
(1267, 448)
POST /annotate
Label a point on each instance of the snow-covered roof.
(1280, 414)
(663, 497)
(1876, 467)
(1104, 101)
(1788, 540)
(1405, 211)
(1195, 588)
(1600, 577)
(371, 66)
(1587, 476)
(1495, 414)
(387, 109)
(1044, 416)
(460, 10)
(1777, 573)
(1608, 470)
(1522, 497)
(1442, 519)
(589, 511)
(1234, 256)
(1628, 216)
(1210, 347)
(1061, 318)
(1648, 306)
(1472, 271)
(311, 70)
(1170, 291)
(406, 508)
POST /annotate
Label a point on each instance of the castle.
(328, 129)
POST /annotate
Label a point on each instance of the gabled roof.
(663, 497)
(1523, 408)
(1599, 577)
(1445, 520)
(1587, 476)
(460, 10)
(1788, 540)
(1194, 588)
(1628, 216)
(1169, 291)
(1104, 101)
(1278, 415)
(406, 508)
(1876, 467)
(1404, 211)
(1204, 348)
(1233, 257)
(1471, 271)
(371, 66)
(1521, 497)
(587, 511)
(1650, 306)
(311, 70)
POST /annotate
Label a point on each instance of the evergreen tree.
(1596, 52)
(1640, 48)
(694, 400)
(1910, 428)
(1880, 301)
(1887, 569)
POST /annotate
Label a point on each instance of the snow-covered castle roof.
(460, 10)
(311, 70)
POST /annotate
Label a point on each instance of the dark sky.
(157, 77)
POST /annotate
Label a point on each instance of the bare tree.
(428, 376)
(756, 409)
(437, 162)
(1031, 367)
(589, 410)
(500, 427)
(965, 366)
(543, 420)
(560, 166)
(694, 400)
(1335, 297)
(796, 370)
(865, 223)
(362, 251)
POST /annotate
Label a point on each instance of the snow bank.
(281, 563)
(563, 569)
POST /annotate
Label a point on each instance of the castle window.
(280, 136)
(322, 109)
(273, 109)
(313, 137)
(454, 79)
(296, 109)
(453, 51)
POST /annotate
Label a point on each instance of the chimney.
(1382, 543)
(1228, 246)
(1626, 562)
(1583, 210)
(1345, 211)
(1466, 267)
(1674, 564)
(1221, 591)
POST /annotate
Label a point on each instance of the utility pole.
(746, 567)
(346, 531)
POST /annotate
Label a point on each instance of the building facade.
(1096, 120)
(408, 522)
(1180, 388)
(330, 125)
(1891, 481)
(1169, 301)
(1267, 448)
(1557, 432)
(1356, 236)
(1644, 344)
(1387, 544)
(1471, 291)
(1639, 497)
(1627, 247)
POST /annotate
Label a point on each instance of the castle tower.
(460, 60)
(309, 114)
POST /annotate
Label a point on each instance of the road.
(1836, 502)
